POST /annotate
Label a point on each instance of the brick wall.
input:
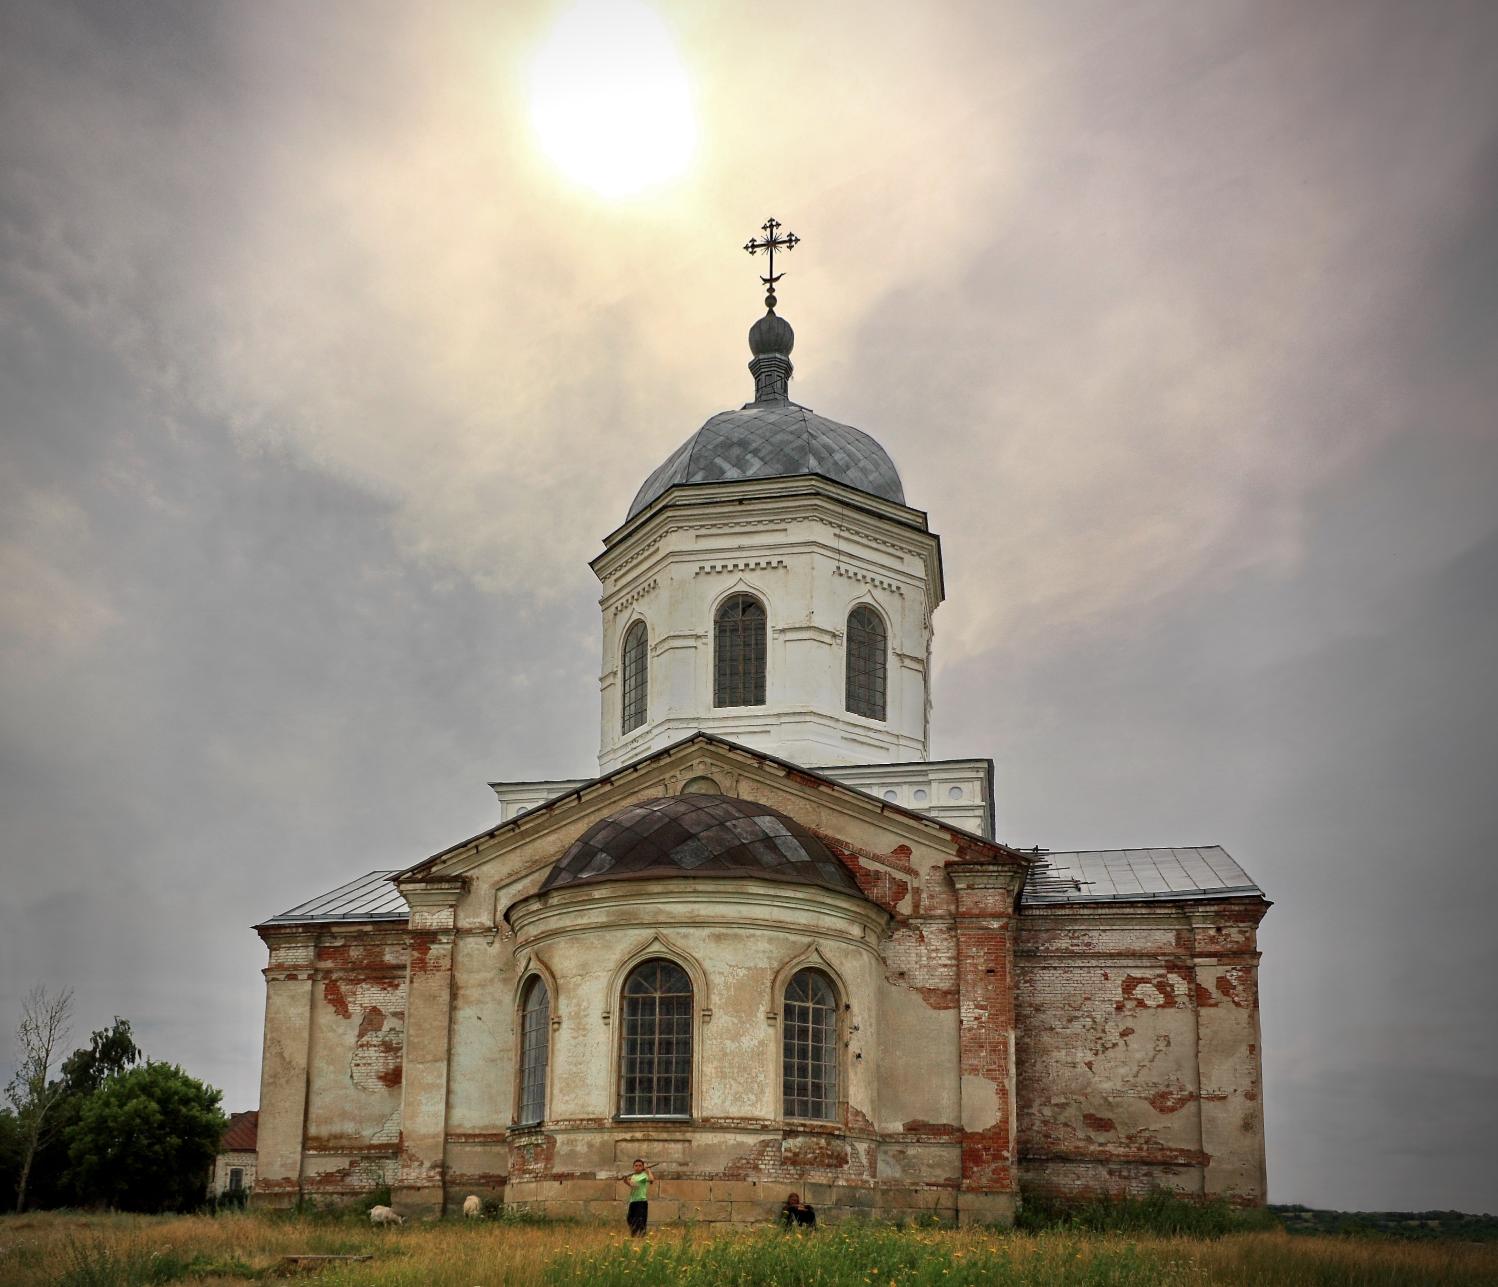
(1136, 1024)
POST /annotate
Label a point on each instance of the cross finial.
(770, 243)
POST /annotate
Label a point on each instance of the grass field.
(80, 1250)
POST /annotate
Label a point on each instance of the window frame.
(733, 686)
(637, 629)
(529, 985)
(871, 677)
(832, 1096)
(684, 1028)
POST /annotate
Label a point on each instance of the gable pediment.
(869, 834)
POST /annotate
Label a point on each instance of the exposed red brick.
(1171, 1100)
(332, 993)
(918, 1126)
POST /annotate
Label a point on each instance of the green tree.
(10, 1151)
(110, 1051)
(145, 1139)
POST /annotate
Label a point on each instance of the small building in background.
(234, 1167)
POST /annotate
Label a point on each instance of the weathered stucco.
(1079, 1048)
(1138, 1040)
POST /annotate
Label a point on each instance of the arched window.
(809, 1046)
(636, 675)
(866, 662)
(739, 652)
(655, 1055)
(535, 1050)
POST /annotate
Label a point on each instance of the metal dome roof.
(773, 437)
(700, 836)
(775, 440)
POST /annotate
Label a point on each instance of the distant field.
(66, 1250)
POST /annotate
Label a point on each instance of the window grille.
(535, 1050)
(739, 653)
(866, 663)
(810, 1047)
(636, 675)
(655, 1058)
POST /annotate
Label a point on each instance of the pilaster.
(283, 1068)
(986, 892)
(1225, 960)
(419, 1188)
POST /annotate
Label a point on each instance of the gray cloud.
(318, 386)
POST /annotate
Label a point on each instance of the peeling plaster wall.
(331, 1081)
(1138, 1049)
(1080, 1049)
(738, 939)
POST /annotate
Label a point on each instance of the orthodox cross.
(770, 243)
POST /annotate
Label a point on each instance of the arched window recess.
(655, 1041)
(739, 650)
(867, 649)
(534, 1023)
(635, 677)
(811, 1052)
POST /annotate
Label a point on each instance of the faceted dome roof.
(775, 439)
(699, 836)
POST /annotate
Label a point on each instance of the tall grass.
(1166, 1214)
(867, 1254)
(83, 1250)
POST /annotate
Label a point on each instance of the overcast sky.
(320, 382)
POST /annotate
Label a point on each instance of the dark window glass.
(866, 663)
(236, 1179)
(655, 1056)
(739, 653)
(810, 1047)
(535, 1049)
(636, 675)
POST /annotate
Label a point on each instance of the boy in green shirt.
(639, 1181)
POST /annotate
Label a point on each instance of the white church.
(771, 945)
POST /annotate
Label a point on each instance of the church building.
(772, 945)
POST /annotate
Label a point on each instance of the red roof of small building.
(241, 1133)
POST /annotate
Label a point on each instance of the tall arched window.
(655, 1054)
(867, 650)
(739, 652)
(809, 1047)
(636, 675)
(535, 1051)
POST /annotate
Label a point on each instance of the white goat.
(473, 1209)
(385, 1215)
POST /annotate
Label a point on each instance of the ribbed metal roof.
(1131, 875)
(775, 439)
(369, 898)
(699, 836)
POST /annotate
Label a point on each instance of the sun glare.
(609, 98)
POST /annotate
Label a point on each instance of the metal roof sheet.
(371, 897)
(1132, 875)
(775, 439)
(700, 836)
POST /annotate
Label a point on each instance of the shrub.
(144, 1141)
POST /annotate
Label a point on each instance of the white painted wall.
(811, 551)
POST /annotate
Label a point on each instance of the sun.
(610, 100)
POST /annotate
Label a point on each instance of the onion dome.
(701, 836)
(773, 437)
